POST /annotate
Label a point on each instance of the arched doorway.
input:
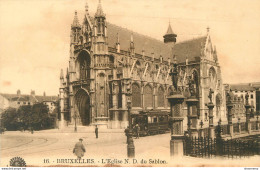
(83, 104)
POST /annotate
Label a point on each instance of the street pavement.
(53, 148)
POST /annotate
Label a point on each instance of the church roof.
(169, 31)
(189, 49)
(142, 42)
(186, 49)
(241, 87)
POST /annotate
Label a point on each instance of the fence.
(254, 125)
(208, 147)
(236, 128)
(243, 126)
(240, 147)
(199, 147)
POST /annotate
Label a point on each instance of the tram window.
(149, 120)
(161, 118)
(155, 119)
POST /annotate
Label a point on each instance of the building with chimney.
(19, 99)
(110, 66)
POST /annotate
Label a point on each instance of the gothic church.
(110, 67)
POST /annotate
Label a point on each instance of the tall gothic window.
(83, 71)
(110, 95)
(160, 97)
(84, 65)
(119, 98)
(148, 96)
(212, 77)
(136, 95)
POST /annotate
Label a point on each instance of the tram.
(150, 122)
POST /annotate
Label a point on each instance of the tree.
(9, 119)
(24, 114)
(27, 117)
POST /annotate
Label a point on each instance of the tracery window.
(136, 95)
(212, 77)
(148, 96)
(160, 97)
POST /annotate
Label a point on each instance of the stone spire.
(61, 74)
(169, 31)
(75, 23)
(100, 12)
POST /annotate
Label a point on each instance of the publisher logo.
(17, 162)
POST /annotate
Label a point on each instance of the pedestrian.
(96, 131)
(127, 134)
(79, 149)
(137, 131)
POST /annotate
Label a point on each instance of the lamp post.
(176, 119)
(247, 106)
(210, 106)
(130, 144)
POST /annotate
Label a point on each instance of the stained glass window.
(160, 97)
(148, 96)
(136, 95)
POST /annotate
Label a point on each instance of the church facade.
(110, 67)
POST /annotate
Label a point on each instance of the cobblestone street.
(56, 147)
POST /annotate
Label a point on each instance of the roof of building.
(189, 49)
(186, 49)
(29, 98)
(169, 30)
(141, 42)
(241, 87)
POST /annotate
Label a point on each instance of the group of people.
(136, 129)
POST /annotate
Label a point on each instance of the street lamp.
(130, 144)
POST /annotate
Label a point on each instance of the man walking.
(127, 134)
(96, 131)
(137, 131)
(79, 149)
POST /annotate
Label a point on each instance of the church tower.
(102, 66)
(170, 37)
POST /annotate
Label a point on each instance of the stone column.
(230, 115)
(248, 124)
(239, 125)
(257, 123)
(192, 117)
(176, 119)
(211, 124)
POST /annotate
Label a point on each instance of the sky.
(35, 35)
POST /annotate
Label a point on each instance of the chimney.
(19, 92)
(33, 93)
(44, 94)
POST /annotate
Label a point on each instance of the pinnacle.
(99, 12)
(75, 20)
